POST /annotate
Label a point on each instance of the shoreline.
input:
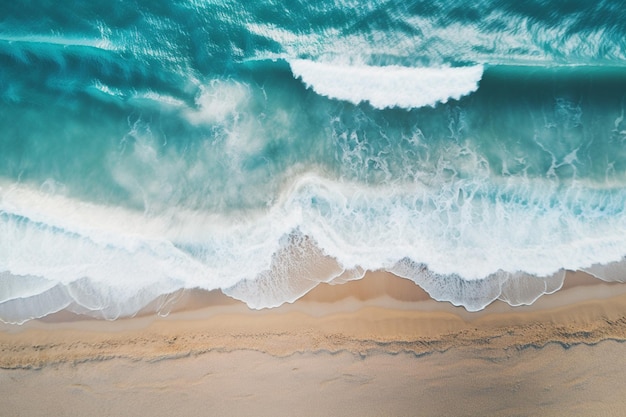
(372, 347)
(380, 313)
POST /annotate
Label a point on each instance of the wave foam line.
(389, 86)
(58, 252)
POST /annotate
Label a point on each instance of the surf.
(388, 86)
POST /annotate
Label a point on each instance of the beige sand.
(377, 346)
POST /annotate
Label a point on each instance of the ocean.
(261, 148)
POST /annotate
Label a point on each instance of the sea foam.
(388, 86)
(57, 252)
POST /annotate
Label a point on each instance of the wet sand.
(378, 346)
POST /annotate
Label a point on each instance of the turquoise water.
(149, 147)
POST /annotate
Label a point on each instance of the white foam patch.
(218, 101)
(389, 86)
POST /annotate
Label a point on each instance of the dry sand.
(378, 347)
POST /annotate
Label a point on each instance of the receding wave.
(59, 253)
(388, 86)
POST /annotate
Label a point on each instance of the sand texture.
(378, 346)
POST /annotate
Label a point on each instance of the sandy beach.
(379, 346)
(203, 205)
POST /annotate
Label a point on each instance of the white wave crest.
(389, 86)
